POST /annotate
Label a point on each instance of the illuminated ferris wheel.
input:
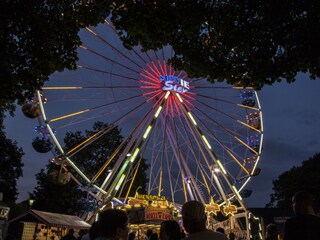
(201, 140)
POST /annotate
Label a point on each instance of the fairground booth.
(41, 225)
(148, 211)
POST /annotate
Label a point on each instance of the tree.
(39, 38)
(50, 196)
(249, 42)
(53, 197)
(90, 159)
(10, 165)
(304, 177)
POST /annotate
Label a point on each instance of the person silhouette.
(170, 230)
(194, 222)
(113, 224)
(306, 224)
(272, 232)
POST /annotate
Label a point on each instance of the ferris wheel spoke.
(120, 166)
(228, 102)
(92, 109)
(138, 144)
(132, 180)
(162, 156)
(133, 50)
(193, 132)
(248, 107)
(106, 72)
(124, 142)
(199, 79)
(172, 136)
(228, 131)
(198, 162)
(148, 56)
(227, 115)
(204, 174)
(162, 68)
(229, 151)
(215, 99)
(99, 134)
(112, 46)
(176, 160)
(48, 88)
(214, 157)
(108, 59)
(171, 178)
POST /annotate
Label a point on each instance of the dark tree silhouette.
(10, 166)
(304, 177)
(38, 38)
(63, 198)
(251, 42)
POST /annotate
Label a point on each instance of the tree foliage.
(38, 38)
(10, 166)
(92, 157)
(252, 42)
(53, 197)
(50, 196)
(305, 177)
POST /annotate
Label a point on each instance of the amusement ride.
(201, 140)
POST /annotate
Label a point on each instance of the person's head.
(193, 216)
(154, 236)
(232, 236)
(94, 231)
(149, 232)
(302, 203)
(170, 230)
(132, 236)
(220, 230)
(272, 231)
(113, 223)
(71, 231)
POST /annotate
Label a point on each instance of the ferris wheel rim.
(47, 123)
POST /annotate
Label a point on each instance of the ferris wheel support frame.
(212, 154)
(183, 163)
(193, 132)
(119, 179)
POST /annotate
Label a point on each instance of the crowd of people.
(305, 225)
(113, 224)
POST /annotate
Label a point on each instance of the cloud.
(307, 118)
(277, 157)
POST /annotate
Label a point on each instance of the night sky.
(291, 135)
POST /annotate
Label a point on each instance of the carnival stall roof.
(52, 219)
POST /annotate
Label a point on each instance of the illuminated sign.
(229, 210)
(150, 197)
(212, 207)
(173, 83)
(137, 202)
(157, 214)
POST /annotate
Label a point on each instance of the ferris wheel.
(201, 140)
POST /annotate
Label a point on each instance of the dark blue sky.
(291, 135)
